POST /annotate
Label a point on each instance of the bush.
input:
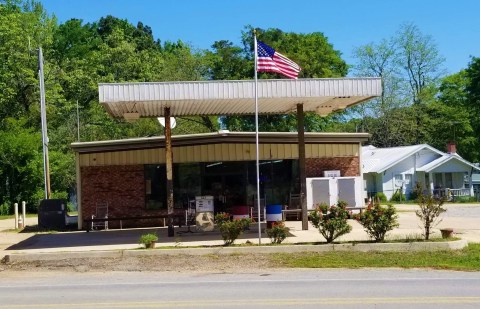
(148, 239)
(378, 220)
(398, 197)
(464, 199)
(278, 232)
(429, 212)
(331, 221)
(5, 209)
(380, 196)
(230, 230)
(416, 190)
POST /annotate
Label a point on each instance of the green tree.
(21, 164)
(312, 51)
(77, 57)
(418, 56)
(473, 85)
(23, 28)
(227, 62)
(459, 119)
(472, 102)
(410, 67)
(378, 60)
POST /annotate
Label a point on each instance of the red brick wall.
(348, 166)
(123, 187)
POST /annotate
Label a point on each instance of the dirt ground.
(174, 263)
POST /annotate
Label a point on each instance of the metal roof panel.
(236, 97)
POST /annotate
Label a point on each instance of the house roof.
(444, 160)
(236, 97)
(377, 160)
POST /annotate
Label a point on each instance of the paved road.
(278, 289)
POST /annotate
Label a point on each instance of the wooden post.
(301, 163)
(169, 167)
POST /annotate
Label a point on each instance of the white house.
(393, 169)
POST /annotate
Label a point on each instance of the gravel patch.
(175, 263)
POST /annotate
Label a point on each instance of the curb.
(353, 247)
(32, 257)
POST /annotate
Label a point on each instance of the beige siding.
(218, 152)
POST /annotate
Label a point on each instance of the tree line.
(419, 104)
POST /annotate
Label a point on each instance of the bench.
(298, 211)
(295, 211)
(359, 208)
(89, 222)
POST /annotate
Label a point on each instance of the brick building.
(154, 176)
(129, 174)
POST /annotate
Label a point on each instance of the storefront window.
(230, 183)
(187, 183)
(155, 191)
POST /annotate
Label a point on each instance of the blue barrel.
(274, 214)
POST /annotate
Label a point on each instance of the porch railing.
(451, 193)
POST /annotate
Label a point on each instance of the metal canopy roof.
(235, 97)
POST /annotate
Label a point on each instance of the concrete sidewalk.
(464, 219)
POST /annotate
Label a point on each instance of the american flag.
(269, 60)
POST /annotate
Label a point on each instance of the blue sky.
(454, 25)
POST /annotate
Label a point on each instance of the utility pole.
(43, 115)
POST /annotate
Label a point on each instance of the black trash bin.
(52, 213)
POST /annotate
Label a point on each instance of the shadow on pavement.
(117, 237)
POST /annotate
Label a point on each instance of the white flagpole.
(256, 143)
(43, 116)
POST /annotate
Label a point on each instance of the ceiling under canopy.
(195, 98)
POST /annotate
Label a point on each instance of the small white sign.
(334, 173)
(204, 203)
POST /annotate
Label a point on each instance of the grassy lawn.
(466, 259)
(13, 216)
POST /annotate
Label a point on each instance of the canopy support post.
(169, 168)
(301, 163)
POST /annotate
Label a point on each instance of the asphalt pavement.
(462, 218)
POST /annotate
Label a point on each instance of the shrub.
(429, 212)
(416, 189)
(230, 229)
(4, 209)
(381, 196)
(398, 197)
(464, 199)
(331, 221)
(378, 220)
(148, 239)
(278, 232)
